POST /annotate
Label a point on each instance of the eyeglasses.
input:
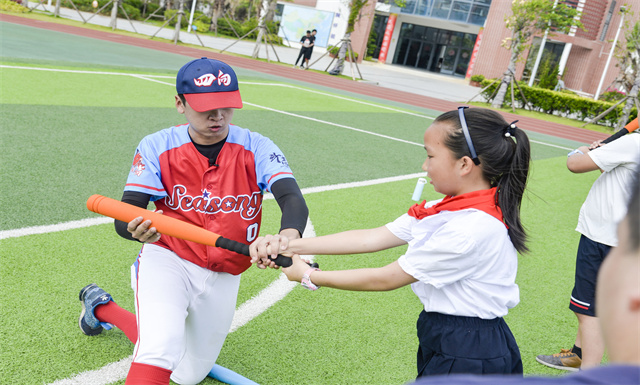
(465, 130)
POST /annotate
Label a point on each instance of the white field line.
(551, 145)
(252, 308)
(150, 78)
(306, 90)
(54, 228)
(310, 118)
(310, 190)
(69, 71)
(113, 372)
(273, 293)
(335, 124)
(250, 104)
(310, 91)
(103, 220)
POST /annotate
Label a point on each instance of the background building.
(581, 56)
(433, 35)
(464, 37)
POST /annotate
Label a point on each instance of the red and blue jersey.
(225, 198)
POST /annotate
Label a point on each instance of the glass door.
(449, 60)
(412, 54)
(425, 56)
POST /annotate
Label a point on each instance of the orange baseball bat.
(631, 126)
(170, 226)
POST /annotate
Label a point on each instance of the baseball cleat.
(92, 296)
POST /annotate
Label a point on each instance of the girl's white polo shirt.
(463, 260)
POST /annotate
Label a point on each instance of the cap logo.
(224, 79)
(207, 79)
(204, 81)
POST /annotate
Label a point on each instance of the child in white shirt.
(462, 255)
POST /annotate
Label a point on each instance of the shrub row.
(225, 27)
(565, 104)
(12, 6)
(136, 8)
(132, 7)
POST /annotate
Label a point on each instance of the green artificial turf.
(68, 135)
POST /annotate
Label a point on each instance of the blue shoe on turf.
(92, 296)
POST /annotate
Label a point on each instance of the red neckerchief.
(483, 200)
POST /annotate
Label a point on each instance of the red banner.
(386, 40)
(474, 54)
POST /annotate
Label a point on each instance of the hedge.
(227, 26)
(132, 7)
(184, 22)
(559, 103)
(203, 23)
(12, 6)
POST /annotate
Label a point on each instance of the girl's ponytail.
(511, 187)
(504, 153)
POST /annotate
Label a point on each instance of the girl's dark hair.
(504, 160)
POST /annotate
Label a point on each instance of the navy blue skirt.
(456, 344)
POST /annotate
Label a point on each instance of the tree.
(354, 14)
(548, 72)
(529, 18)
(217, 8)
(266, 14)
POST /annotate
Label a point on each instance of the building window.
(466, 11)
(460, 11)
(478, 14)
(441, 9)
(422, 7)
(549, 63)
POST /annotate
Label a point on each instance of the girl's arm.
(385, 278)
(348, 242)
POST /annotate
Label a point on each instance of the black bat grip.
(617, 135)
(241, 248)
(231, 245)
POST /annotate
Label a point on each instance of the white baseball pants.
(183, 311)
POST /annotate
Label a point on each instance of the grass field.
(69, 127)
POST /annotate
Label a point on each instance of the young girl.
(462, 255)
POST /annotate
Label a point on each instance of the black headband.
(465, 130)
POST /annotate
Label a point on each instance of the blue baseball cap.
(208, 84)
